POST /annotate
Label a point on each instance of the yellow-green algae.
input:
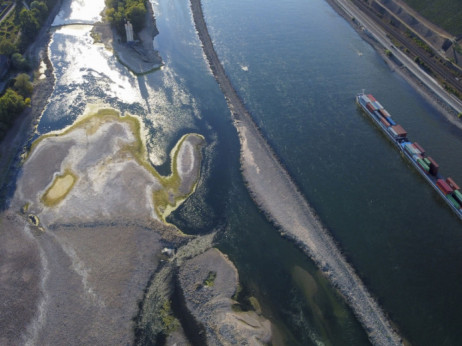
(61, 186)
(165, 200)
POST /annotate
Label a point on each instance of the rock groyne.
(275, 192)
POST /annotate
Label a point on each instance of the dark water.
(298, 66)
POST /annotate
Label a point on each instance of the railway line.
(435, 67)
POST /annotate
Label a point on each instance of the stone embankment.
(277, 195)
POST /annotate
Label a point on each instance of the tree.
(23, 85)
(40, 10)
(29, 24)
(11, 104)
(136, 14)
(7, 47)
(18, 62)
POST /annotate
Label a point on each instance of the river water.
(297, 65)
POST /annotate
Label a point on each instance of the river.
(297, 65)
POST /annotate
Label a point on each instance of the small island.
(129, 30)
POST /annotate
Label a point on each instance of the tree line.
(13, 101)
(28, 19)
(119, 11)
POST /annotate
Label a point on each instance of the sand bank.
(86, 213)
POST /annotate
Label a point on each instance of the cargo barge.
(413, 152)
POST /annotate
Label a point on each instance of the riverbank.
(13, 144)
(426, 86)
(276, 194)
(140, 57)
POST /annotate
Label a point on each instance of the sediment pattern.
(275, 192)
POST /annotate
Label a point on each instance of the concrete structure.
(129, 31)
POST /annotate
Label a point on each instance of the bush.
(11, 105)
(23, 85)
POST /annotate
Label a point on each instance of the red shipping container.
(386, 123)
(417, 145)
(372, 98)
(443, 186)
(452, 184)
(400, 132)
(370, 107)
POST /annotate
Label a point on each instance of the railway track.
(437, 68)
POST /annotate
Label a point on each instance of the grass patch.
(445, 13)
(210, 280)
(169, 322)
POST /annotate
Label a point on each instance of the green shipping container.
(458, 194)
(427, 161)
(423, 165)
(453, 201)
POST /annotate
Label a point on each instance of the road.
(381, 37)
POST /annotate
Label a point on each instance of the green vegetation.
(169, 322)
(420, 43)
(119, 11)
(210, 280)
(11, 105)
(445, 13)
(22, 25)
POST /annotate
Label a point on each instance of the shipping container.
(377, 115)
(417, 145)
(423, 165)
(399, 131)
(377, 105)
(391, 121)
(411, 150)
(453, 201)
(458, 195)
(433, 166)
(384, 112)
(443, 186)
(372, 98)
(386, 123)
(427, 161)
(366, 99)
(370, 107)
(452, 184)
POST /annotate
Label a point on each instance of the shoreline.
(267, 181)
(399, 66)
(14, 144)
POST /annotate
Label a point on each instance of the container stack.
(414, 152)
(433, 167)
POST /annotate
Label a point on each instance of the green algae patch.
(163, 201)
(59, 189)
(33, 220)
